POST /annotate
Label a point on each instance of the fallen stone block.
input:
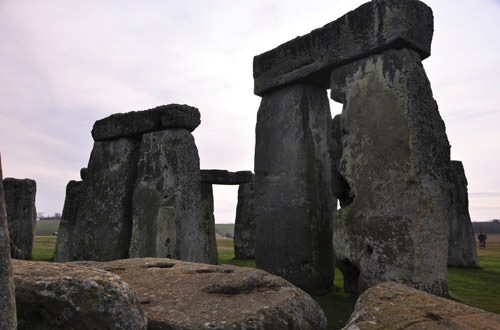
(392, 306)
(371, 28)
(68, 296)
(182, 295)
(135, 123)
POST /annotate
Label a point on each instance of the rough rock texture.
(66, 235)
(21, 212)
(83, 173)
(136, 123)
(104, 219)
(462, 245)
(392, 306)
(8, 320)
(67, 296)
(166, 202)
(225, 177)
(371, 28)
(294, 205)
(182, 295)
(244, 228)
(394, 222)
(207, 244)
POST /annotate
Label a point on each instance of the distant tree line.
(42, 216)
(489, 227)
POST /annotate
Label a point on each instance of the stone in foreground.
(225, 177)
(392, 306)
(135, 123)
(8, 320)
(462, 245)
(21, 213)
(67, 296)
(294, 204)
(181, 295)
(371, 28)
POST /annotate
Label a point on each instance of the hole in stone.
(368, 249)
(161, 265)
(145, 302)
(433, 316)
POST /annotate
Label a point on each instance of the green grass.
(224, 228)
(475, 287)
(46, 227)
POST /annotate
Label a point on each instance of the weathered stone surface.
(182, 295)
(104, 220)
(392, 306)
(225, 177)
(462, 245)
(66, 235)
(394, 222)
(8, 320)
(244, 228)
(67, 296)
(166, 202)
(207, 245)
(135, 123)
(294, 205)
(21, 212)
(371, 28)
(83, 173)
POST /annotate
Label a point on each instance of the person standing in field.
(482, 240)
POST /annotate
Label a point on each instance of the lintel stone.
(371, 28)
(135, 123)
(225, 177)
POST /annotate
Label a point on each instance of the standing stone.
(8, 320)
(104, 219)
(166, 202)
(21, 213)
(244, 228)
(394, 222)
(293, 199)
(66, 235)
(462, 246)
(207, 244)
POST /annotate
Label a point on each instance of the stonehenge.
(8, 319)
(20, 197)
(244, 226)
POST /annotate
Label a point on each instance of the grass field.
(46, 227)
(475, 287)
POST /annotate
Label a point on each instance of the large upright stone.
(373, 27)
(66, 235)
(166, 202)
(394, 223)
(462, 245)
(8, 320)
(21, 212)
(104, 220)
(244, 228)
(135, 123)
(207, 245)
(293, 201)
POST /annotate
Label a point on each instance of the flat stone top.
(371, 28)
(21, 184)
(225, 177)
(184, 295)
(135, 123)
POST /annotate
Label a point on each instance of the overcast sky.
(65, 64)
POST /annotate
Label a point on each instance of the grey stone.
(66, 233)
(293, 199)
(8, 319)
(462, 245)
(83, 173)
(371, 28)
(135, 123)
(207, 245)
(225, 177)
(166, 202)
(392, 306)
(66, 296)
(104, 219)
(244, 228)
(394, 225)
(181, 295)
(20, 197)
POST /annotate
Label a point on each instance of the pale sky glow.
(65, 64)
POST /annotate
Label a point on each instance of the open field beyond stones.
(475, 287)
